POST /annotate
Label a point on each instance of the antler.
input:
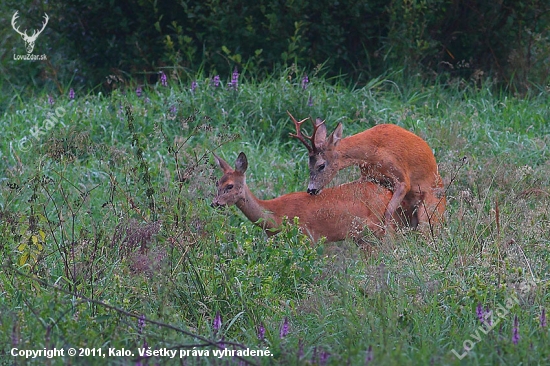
(299, 135)
(302, 137)
(13, 19)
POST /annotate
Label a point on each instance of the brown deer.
(336, 213)
(386, 154)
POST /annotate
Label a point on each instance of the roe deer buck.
(336, 213)
(386, 154)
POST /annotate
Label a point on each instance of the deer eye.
(229, 186)
(321, 167)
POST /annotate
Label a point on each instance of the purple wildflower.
(515, 331)
(324, 358)
(261, 332)
(222, 343)
(284, 329)
(217, 321)
(71, 93)
(216, 81)
(543, 318)
(141, 324)
(194, 86)
(300, 349)
(50, 100)
(305, 81)
(310, 102)
(14, 335)
(368, 356)
(479, 312)
(173, 110)
(163, 79)
(138, 91)
(234, 79)
(314, 356)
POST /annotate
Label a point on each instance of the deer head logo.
(29, 40)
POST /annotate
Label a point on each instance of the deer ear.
(241, 164)
(336, 135)
(222, 164)
(320, 134)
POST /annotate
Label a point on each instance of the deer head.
(29, 40)
(323, 157)
(231, 186)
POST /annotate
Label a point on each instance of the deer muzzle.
(313, 191)
(216, 204)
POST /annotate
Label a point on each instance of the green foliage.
(286, 265)
(128, 250)
(89, 44)
(31, 243)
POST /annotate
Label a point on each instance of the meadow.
(108, 240)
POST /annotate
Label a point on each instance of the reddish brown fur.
(336, 213)
(387, 154)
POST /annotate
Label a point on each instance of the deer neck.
(256, 210)
(347, 153)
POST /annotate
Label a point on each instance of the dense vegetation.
(86, 42)
(108, 238)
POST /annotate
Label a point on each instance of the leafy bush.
(472, 40)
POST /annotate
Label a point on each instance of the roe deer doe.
(336, 213)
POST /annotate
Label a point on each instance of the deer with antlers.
(386, 154)
(29, 40)
(336, 213)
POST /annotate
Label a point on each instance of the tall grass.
(108, 238)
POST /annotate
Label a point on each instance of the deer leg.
(430, 211)
(400, 190)
(414, 219)
(406, 214)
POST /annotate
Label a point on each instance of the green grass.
(106, 219)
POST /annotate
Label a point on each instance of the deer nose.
(215, 204)
(313, 191)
